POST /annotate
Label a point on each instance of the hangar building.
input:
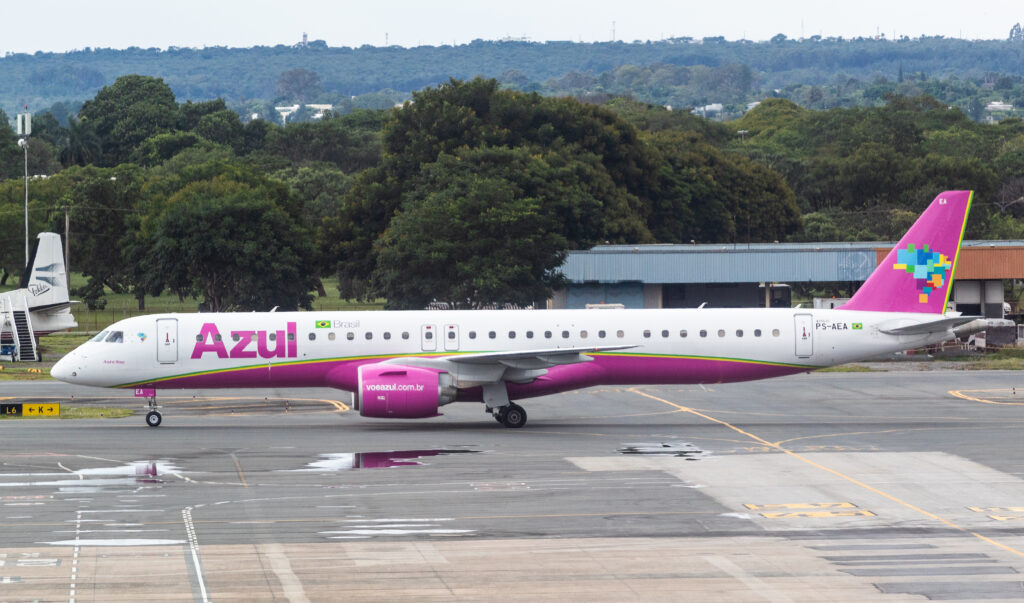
(758, 275)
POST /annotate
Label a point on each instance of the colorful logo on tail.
(929, 268)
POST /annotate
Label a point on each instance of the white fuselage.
(316, 349)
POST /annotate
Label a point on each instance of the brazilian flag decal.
(323, 324)
(858, 326)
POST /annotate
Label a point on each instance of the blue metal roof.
(731, 263)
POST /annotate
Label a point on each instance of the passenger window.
(491, 334)
(511, 334)
(199, 338)
(405, 334)
(664, 333)
(235, 337)
(565, 334)
(703, 333)
(583, 334)
(757, 332)
(601, 334)
(647, 333)
(331, 336)
(472, 334)
(428, 335)
(350, 336)
(103, 335)
(775, 332)
(369, 335)
(739, 332)
(547, 334)
(620, 334)
(271, 337)
(529, 334)
(291, 336)
(451, 334)
(721, 332)
(216, 337)
(118, 337)
(682, 333)
(387, 334)
(312, 336)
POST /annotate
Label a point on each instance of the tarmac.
(887, 486)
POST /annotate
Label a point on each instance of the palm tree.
(83, 144)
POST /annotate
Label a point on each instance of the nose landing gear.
(153, 417)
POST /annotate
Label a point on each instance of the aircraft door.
(428, 342)
(167, 340)
(451, 337)
(804, 332)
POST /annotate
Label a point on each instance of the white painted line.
(193, 544)
(115, 542)
(397, 532)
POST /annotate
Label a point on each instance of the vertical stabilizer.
(45, 278)
(917, 276)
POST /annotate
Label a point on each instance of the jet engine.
(392, 391)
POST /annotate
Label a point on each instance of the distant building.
(730, 275)
(712, 109)
(998, 106)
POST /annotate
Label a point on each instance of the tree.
(232, 246)
(129, 111)
(300, 85)
(103, 206)
(84, 145)
(474, 239)
(222, 127)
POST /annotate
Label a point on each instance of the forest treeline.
(683, 72)
(470, 193)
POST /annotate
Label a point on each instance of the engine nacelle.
(393, 391)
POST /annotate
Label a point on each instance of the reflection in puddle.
(96, 479)
(684, 450)
(344, 461)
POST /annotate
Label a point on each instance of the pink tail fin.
(917, 276)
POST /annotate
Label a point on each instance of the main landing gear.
(153, 417)
(512, 415)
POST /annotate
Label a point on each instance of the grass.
(28, 371)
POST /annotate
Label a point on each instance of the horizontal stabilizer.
(925, 328)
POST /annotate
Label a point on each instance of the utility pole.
(24, 129)
(67, 244)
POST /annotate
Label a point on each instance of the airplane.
(408, 364)
(41, 305)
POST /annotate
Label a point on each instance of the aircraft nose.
(65, 369)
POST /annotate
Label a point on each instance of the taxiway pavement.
(824, 487)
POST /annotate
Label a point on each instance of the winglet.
(917, 275)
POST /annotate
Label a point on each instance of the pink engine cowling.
(391, 391)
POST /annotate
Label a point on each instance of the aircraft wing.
(532, 359)
(520, 366)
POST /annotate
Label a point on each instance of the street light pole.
(24, 145)
(24, 129)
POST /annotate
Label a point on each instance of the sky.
(61, 25)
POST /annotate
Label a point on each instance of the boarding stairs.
(16, 319)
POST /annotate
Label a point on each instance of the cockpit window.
(115, 337)
(100, 336)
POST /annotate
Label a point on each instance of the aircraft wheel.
(514, 416)
(153, 418)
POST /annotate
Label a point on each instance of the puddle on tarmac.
(684, 450)
(345, 461)
(97, 479)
